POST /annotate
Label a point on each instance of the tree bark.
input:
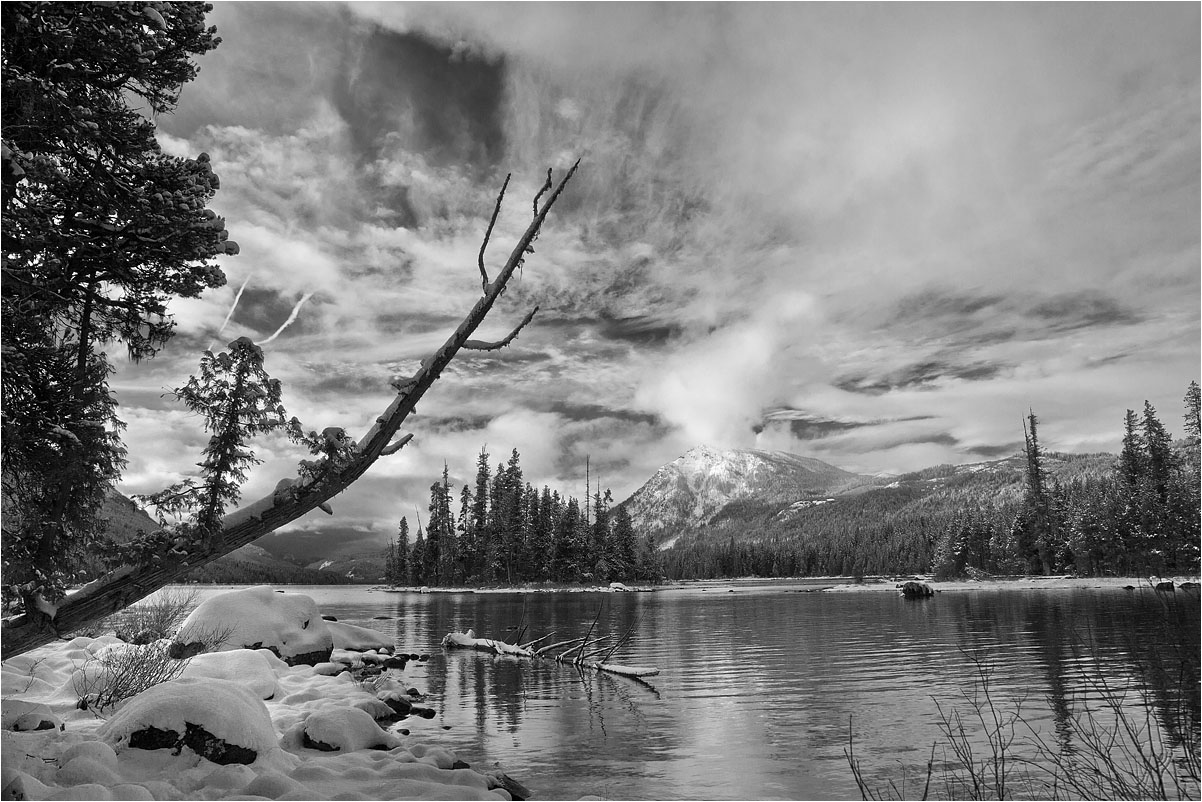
(127, 584)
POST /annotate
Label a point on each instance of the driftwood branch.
(482, 345)
(129, 583)
(578, 653)
(488, 233)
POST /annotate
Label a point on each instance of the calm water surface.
(757, 686)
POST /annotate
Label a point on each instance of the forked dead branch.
(43, 621)
(581, 652)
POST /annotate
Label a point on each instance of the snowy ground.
(249, 699)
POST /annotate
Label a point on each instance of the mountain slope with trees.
(1034, 513)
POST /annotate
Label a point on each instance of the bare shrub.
(120, 672)
(1120, 749)
(159, 617)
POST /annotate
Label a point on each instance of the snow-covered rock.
(251, 668)
(288, 624)
(346, 729)
(211, 708)
(359, 639)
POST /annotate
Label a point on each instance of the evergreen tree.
(1131, 458)
(419, 559)
(465, 568)
(402, 567)
(623, 548)
(1193, 411)
(99, 231)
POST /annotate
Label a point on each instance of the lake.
(759, 682)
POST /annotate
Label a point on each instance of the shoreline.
(837, 584)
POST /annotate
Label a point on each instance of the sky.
(877, 235)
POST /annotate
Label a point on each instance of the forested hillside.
(1035, 513)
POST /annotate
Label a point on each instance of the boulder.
(287, 624)
(222, 721)
(916, 590)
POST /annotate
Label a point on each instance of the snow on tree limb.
(482, 345)
(397, 446)
(122, 588)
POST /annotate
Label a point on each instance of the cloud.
(875, 234)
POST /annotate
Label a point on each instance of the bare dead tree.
(127, 584)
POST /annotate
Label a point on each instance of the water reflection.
(759, 685)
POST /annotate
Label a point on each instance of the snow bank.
(289, 624)
(92, 759)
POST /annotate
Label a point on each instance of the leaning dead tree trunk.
(129, 583)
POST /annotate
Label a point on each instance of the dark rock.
(328, 618)
(424, 712)
(381, 618)
(183, 651)
(413, 657)
(414, 692)
(464, 766)
(309, 658)
(423, 658)
(1188, 586)
(210, 747)
(396, 662)
(153, 738)
(196, 738)
(1128, 587)
(917, 590)
(1165, 586)
(403, 732)
(458, 764)
(516, 789)
(399, 705)
(34, 722)
(320, 746)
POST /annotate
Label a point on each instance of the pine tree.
(1131, 458)
(100, 230)
(402, 566)
(623, 548)
(419, 560)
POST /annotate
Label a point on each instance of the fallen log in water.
(468, 640)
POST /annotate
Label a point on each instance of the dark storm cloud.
(806, 426)
(943, 303)
(1087, 309)
(403, 90)
(586, 412)
(641, 330)
(920, 375)
(995, 452)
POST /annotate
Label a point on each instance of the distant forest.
(1093, 515)
(507, 531)
(1041, 513)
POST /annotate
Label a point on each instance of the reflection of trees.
(1143, 642)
